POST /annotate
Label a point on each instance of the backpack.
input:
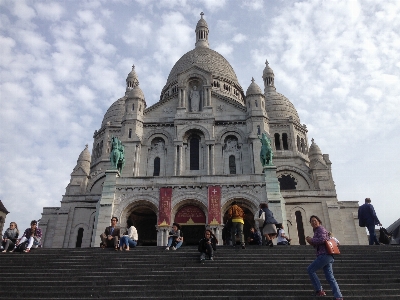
(260, 219)
(384, 236)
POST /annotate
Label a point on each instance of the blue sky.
(63, 63)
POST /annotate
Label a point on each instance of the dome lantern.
(268, 77)
(202, 33)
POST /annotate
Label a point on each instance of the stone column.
(212, 170)
(217, 230)
(105, 207)
(207, 159)
(276, 203)
(162, 234)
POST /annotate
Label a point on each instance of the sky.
(63, 63)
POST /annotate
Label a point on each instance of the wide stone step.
(363, 272)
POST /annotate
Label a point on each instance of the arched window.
(79, 238)
(258, 130)
(256, 103)
(232, 164)
(287, 182)
(156, 171)
(277, 142)
(194, 153)
(298, 144)
(302, 146)
(130, 133)
(133, 106)
(300, 228)
(101, 148)
(285, 141)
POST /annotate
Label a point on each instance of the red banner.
(164, 208)
(214, 205)
(190, 215)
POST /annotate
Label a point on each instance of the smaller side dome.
(136, 92)
(253, 89)
(85, 155)
(315, 154)
(115, 112)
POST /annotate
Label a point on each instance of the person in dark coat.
(367, 218)
(207, 245)
(254, 237)
(110, 236)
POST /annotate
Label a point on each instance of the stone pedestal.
(217, 230)
(276, 203)
(105, 207)
(162, 234)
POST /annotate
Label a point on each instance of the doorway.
(193, 223)
(145, 221)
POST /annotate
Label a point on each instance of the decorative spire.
(132, 80)
(268, 77)
(202, 33)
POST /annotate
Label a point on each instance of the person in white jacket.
(130, 239)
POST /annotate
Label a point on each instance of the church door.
(145, 220)
(192, 220)
(248, 223)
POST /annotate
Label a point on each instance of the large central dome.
(206, 59)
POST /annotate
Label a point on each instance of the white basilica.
(193, 153)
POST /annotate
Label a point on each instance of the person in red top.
(236, 214)
(33, 235)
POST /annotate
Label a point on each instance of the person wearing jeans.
(33, 235)
(236, 214)
(323, 261)
(129, 240)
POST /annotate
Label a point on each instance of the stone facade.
(3, 214)
(194, 150)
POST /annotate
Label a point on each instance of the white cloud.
(173, 38)
(49, 11)
(253, 4)
(138, 32)
(224, 49)
(239, 38)
(22, 10)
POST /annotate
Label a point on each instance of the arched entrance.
(145, 221)
(192, 220)
(248, 222)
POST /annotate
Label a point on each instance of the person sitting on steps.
(33, 235)
(175, 239)
(129, 240)
(207, 245)
(110, 236)
(255, 237)
(10, 237)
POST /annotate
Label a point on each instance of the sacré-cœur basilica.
(193, 153)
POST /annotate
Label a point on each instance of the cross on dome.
(202, 14)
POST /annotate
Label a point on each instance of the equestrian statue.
(117, 155)
(266, 150)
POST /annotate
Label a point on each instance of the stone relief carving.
(194, 99)
(168, 110)
(231, 145)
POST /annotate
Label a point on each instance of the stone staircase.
(363, 272)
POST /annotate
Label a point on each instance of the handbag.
(331, 247)
(260, 219)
